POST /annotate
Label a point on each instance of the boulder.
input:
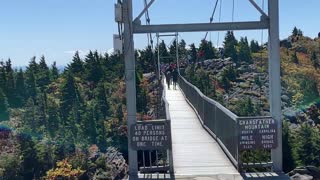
(301, 177)
(305, 173)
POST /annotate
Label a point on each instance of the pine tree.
(102, 102)
(172, 51)
(308, 149)
(54, 72)
(4, 113)
(254, 46)
(68, 97)
(43, 74)
(314, 59)
(53, 117)
(20, 88)
(208, 49)
(193, 52)
(141, 94)
(93, 68)
(76, 66)
(3, 77)
(31, 86)
(244, 51)
(182, 49)
(163, 52)
(295, 31)
(288, 154)
(29, 116)
(230, 44)
(10, 88)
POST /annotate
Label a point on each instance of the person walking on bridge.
(168, 77)
(175, 78)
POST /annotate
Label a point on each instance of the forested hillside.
(49, 116)
(238, 79)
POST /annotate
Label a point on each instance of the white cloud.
(82, 53)
(110, 51)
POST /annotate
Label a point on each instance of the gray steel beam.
(143, 11)
(158, 56)
(275, 80)
(161, 35)
(130, 78)
(258, 8)
(196, 27)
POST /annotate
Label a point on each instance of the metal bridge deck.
(195, 153)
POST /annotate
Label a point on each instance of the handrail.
(211, 113)
(217, 120)
(168, 117)
(224, 109)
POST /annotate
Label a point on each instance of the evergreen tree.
(193, 52)
(172, 51)
(68, 97)
(4, 113)
(54, 72)
(246, 108)
(288, 154)
(31, 86)
(230, 44)
(102, 102)
(93, 69)
(141, 94)
(314, 60)
(29, 116)
(244, 51)
(295, 31)
(146, 60)
(163, 51)
(3, 77)
(182, 49)
(10, 88)
(20, 88)
(76, 66)
(254, 46)
(53, 117)
(208, 49)
(308, 149)
(43, 74)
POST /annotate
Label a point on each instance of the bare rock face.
(301, 177)
(110, 165)
(305, 173)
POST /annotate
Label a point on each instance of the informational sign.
(257, 133)
(151, 135)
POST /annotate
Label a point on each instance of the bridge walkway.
(195, 153)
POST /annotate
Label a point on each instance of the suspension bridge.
(199, 138)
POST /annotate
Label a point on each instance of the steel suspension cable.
(212, 15)
(220, 8)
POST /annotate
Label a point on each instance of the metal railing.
(216, 119)
(158, 161)
(221, 123)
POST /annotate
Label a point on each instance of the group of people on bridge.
(171, 73)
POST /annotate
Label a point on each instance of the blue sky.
(56, 28)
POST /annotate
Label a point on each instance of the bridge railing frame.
(150, 163)
(208, 111)
(224, 132)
